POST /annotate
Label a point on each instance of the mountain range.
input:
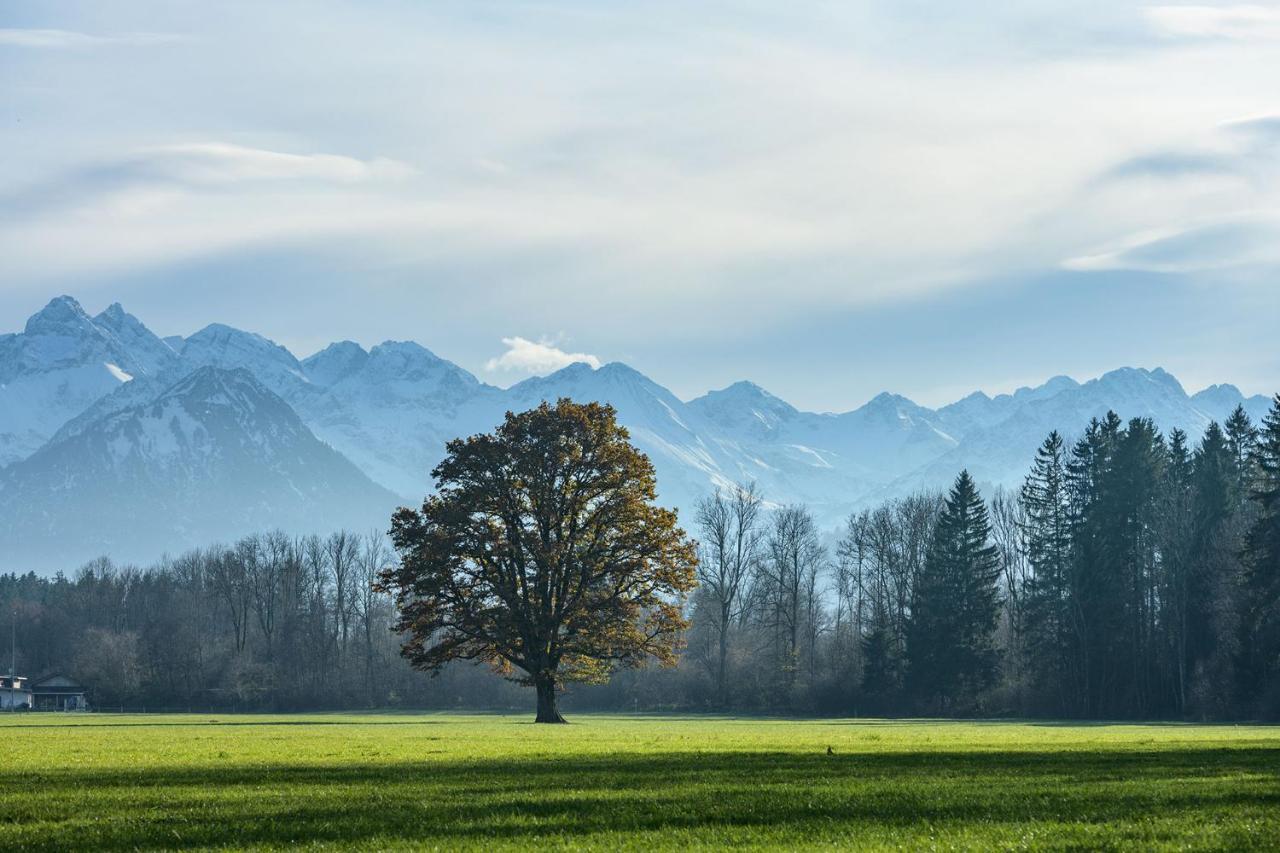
(113, 440)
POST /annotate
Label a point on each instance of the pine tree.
(1211, 569)
(1132, 509)
(879, 670)
(1175, 549)
(1048, 540)
(1093, 589)
(951, 652)
(1242, 443)
(1262, 558)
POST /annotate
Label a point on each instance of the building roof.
(56, 684)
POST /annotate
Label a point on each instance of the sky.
(830, 199)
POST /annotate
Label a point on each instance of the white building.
(15, 695)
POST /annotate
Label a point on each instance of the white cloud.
(1240, 22)
(219, 162)
(535, 358)
(37, 38)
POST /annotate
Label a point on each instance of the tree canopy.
(542, 551)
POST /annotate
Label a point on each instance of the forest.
(1134, 575)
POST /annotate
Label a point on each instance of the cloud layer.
(653, 178)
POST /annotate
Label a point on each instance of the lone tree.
(542, 551)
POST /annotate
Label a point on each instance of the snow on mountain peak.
(63, 315)
(1140, 379)
(745, 406)
(110, 390)
(59, 365)
(219, 345)
(335, 362)
(147, 352)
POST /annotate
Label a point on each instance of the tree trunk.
(546, 687)
(722, 693)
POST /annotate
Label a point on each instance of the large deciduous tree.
(542, 550)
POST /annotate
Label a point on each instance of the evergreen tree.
(879, 669)
(1175, 548)
(1262, 558)
(1048, 541)
(1132, 501)
(1211, 569)
(1242, 443)
(951, 653)
(1093, 590)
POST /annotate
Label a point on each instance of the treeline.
(1133, 575)
(271, 622)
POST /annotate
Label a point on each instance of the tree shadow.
(525, 801)
(204, 724)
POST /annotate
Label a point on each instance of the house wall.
(12, 700)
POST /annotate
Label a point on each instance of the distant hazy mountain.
(210, 457)
(113, 436)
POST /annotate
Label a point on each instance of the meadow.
(447, 781)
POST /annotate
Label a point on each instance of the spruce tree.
(1175, 548)
(1242, 442)
(1211, 570)
(951, 652)
(1048, 541)
(879, 670)
(1262, 558)
(1132, 510)
(1093, 589)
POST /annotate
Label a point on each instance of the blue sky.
(831, 199)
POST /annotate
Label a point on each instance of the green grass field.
(104, 781)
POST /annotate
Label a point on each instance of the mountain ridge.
(388, 411)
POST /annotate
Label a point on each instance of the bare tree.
(343, 551)
(1008, 531)
(230, 580)
(794, 554)
(728, 552)
(370, 601)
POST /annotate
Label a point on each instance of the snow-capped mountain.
(679, 441)
(222, 346)
(209, 457)
(391, 409)
(104, 424)
(62, 362)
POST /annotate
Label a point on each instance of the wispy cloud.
(1239, 23)
(1197, 248)
(218, 162)
(180, 170)
(535, 358)
(38, 38)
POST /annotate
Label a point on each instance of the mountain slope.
(209, 457)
